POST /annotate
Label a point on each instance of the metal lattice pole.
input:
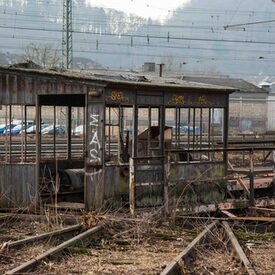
(67, 35)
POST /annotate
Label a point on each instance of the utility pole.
(67, 35)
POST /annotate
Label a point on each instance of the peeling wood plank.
(55, 250)
(249, 268)
(173, 268)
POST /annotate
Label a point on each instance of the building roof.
(107, 77)
(239, 84)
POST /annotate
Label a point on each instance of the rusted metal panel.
(148, 173)
(197, 171)
(17, 185)
(187, 188)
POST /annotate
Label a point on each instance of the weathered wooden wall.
(17, 185)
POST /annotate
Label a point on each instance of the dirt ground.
(15, 229)
(121, 255)
(262, 256)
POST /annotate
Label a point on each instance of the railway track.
(215, 250)
(22, 256)
(131, 247)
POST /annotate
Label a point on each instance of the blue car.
(16, 130)
(2, 128)
(184, 129)
(6, 129)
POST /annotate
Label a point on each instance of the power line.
(145, 45)
(249, 23)
(143, 36)
(178, 57)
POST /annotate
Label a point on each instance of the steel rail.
(238, 249)
(174, 268)
(43, 236)
(29, 265)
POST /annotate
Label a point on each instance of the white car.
(32, 129)
(78, 131)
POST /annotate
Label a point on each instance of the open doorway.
(61, 142)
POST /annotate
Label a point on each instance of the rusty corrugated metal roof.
(129, 78)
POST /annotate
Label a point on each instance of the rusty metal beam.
(221, 149)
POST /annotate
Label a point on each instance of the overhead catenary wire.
(141, 35)
(86, 33)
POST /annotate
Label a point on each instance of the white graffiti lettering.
(95, 139)
(94, 120)
(93, 174)
(95, 146)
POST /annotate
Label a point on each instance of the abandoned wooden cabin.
(136, 147)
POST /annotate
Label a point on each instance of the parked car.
(59, 130)
(32, 129)
(8, 127)
(18, 128)
(184, 129)
(78, 131)
(2, 128)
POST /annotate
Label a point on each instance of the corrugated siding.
(17, 185)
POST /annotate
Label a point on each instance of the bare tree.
(44, 55)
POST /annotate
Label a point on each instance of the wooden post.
(10, 140)
(166, 188)
(37, 142)
(95, 158)
(25, 133)
(132, 186)
(54, 131)
(69, 134)
(273, 181)
(22, 137)
(225, 134)
(251, 178)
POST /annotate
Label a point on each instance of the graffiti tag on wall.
(177, 100)
(117, 96)
(94, 153)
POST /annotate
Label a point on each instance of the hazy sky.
(156, 9)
